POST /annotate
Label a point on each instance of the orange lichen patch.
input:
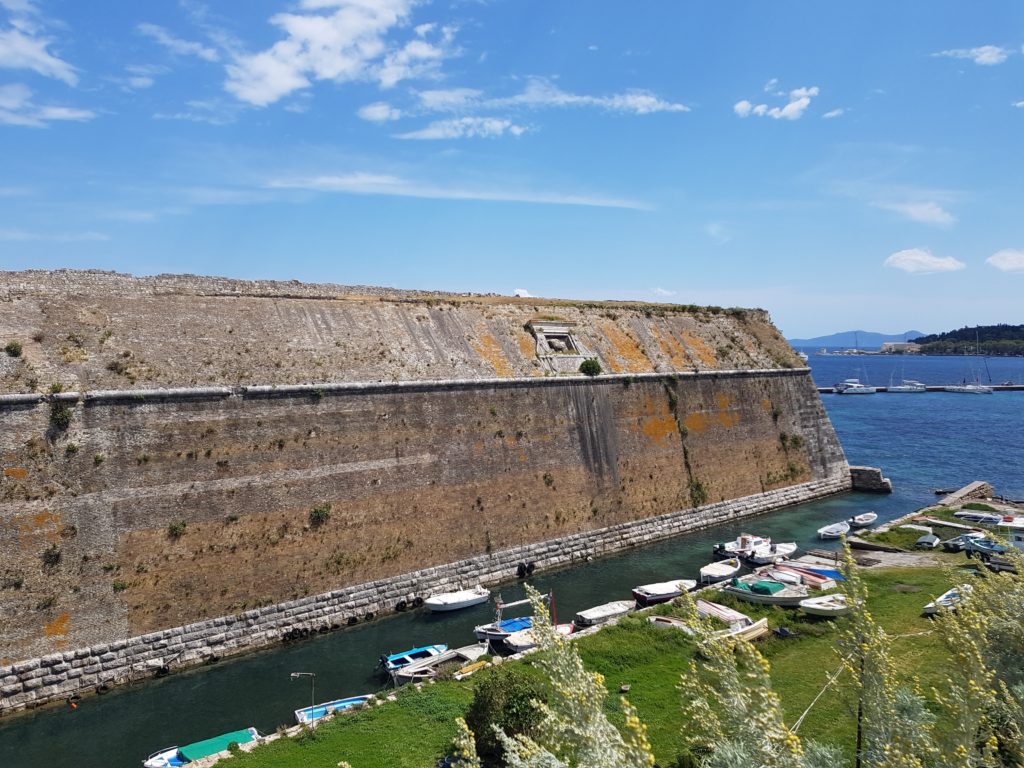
(527, 345)
(672, 349)
(629, 352)
(699, 348)
(657, 423)
(46, 524)
(490, 350)
(58, 627)
(696, 422)
(767, 405)
(17, 473)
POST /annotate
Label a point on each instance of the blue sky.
(840, 164)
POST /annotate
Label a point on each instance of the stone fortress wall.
(157, 510)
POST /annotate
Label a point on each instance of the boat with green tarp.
(178, 756)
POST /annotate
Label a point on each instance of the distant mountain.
(851, 339)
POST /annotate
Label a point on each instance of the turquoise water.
(921, 441)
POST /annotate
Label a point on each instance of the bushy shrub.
(503, 698)
(590, 367)
(319, 515)
(176, 530)
(13, 348)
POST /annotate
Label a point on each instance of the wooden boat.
(739, 625)
(772, 553)
(601, 613)
(862, 520)
(834, 531)
(670, 622)
(757, 589)
(948, 600)
(316, 712)
(523, 640)
(652, 594)
(812, 579)
(500, 628)
(720, 570)
(394, 661)
(454, 601)
(427, 669)
(786, 577)
(177, 756)
(825, 605)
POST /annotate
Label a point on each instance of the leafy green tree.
(503, 701)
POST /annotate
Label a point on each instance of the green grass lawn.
(416, 730)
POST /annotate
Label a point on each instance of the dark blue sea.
(922, 441)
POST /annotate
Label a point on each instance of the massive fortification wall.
(448, 437)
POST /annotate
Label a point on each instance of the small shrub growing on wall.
(177, 530)
(319, 515)
(51, 556)
(13, 348)
(698, 493)
(60, 416)
(120, 586)
(590, 367)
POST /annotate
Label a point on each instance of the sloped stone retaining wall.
(60, 675)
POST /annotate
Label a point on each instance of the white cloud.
(543, 93)
(984, 55)
(24, 236)
(379, 112)
(212, 111)
(663, 292)
(924, 212)
(920, 261)
(799, 100)
(718, 232)
(1019, 104)
(1007, 260)
(833, 113)
(444, 100)
(18, 108)
(522, 293)
(383, 184)
(341, 41)
(771, 85)
(176, 45)
(466, 128)
(23, 46)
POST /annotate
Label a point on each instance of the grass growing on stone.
(416, 730)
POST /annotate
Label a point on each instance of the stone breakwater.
(60, 675)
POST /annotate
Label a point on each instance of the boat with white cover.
(308, 715)
(742, 546)
(948, 600)
(599, 614)
(908, 386)
(755, 588)
(772, 553)
(834, 531)
(826, 605)
(524, 639)
(720, 570)
(454, 601)
(652, 594)
(172, 757)
(862, 520)
(427, 669)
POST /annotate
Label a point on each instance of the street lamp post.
(312, 693)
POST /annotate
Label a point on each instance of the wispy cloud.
(379, 112)
(1019, 104)
(443, 100)
(799, 101)
(24, 45)
(984, 55)
(25, 236)
(1007, 260)
(718, 231)
(18, 108)
(927, 212)
(833, 113)
(176, 45)
(920, 261)
(466, 127)
(211, 111)
(340, 41)
(540, 92)
(383, 184)
(663, 293)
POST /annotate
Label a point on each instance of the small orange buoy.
(73, 701)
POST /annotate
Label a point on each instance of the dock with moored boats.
(934, 388)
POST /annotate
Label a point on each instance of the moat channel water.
(921, 441)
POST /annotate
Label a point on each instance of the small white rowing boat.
(825, 605)
(786, 577)
(863, 520)
(948, 600)
(454, 601)
(834, 531)
(599, 614)
(720, 570)
(652, 594)
(312, 714)
(772, 553)
(524, 639)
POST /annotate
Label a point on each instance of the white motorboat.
(968, 389)
(524, 639)
(652, 594)
(772, 553)
(454, 601)
(755, 588)
(863, 520)
(853, 387)
(742, 546)
(826, 605)
(907, 386)
(720, 570)
(601, 613)
(834, 531)
(948, 600)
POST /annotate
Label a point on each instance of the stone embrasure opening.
(558, 348)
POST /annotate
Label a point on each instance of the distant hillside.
(994, 340)
(851, 339)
